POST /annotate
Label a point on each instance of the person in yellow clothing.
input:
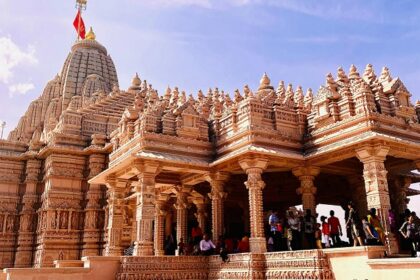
(374, 221)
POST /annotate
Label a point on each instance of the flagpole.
(80, 5)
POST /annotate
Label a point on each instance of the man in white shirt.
(206, 246)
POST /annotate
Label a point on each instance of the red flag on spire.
(79, 25)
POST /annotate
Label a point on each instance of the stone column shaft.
(201, 215)
(218, 196)
(217, 209)
(376, 185)
(255, 185)
(93, 225)
(181, 217)
(145, 208)
(307, 188)
(24, 250)
(159, 231)
(115, 218)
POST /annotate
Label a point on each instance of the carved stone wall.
(312, 264)
(165, 268)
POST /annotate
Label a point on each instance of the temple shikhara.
(91, 169)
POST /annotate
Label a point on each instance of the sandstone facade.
(91, 168)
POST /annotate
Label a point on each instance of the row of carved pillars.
(375, 180)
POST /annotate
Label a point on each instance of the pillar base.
(392, 247)
(257, 245)
(143, 248)
(159, 252)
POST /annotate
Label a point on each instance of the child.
(181, 247)
(318, 235)
(325, 232)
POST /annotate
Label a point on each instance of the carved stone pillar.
(254, 167)
(376, 185)
(115, 217)
(159, 238)
(181, 214)
(218, 197)
(28, 215)
(145, 209)
(399, 193)
(94, 215)
(201, 212)
(307, 188)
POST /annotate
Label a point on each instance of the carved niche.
(188, 123)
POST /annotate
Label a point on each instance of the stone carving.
(86, 163)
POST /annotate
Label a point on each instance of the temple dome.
(87, 68)
(87, 57)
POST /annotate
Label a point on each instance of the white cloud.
(11, 56)
(21, 88)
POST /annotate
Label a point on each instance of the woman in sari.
(374, 221)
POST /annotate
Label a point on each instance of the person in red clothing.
(196, 234)
(335, 229)
(243, 246)
(325, 232)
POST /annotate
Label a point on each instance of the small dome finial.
(265, 82)
(136, 81)
(90, 35)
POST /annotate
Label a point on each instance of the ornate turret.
(265, 83)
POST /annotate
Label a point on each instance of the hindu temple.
(92, 168)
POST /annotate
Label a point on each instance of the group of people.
(200, 243)
(369, 230)
(297, 231)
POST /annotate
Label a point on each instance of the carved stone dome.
(87, 57)
(88, 68)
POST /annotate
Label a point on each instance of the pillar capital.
(161, 205)
(115, 184)
(251, 164)
(218, 176)
(300, 171)
(369, 153)
(307, 189)
(146, 166)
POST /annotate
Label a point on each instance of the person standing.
(325, 232)
(409, 231)
(273, 221)
(335, 229)
(370, 233)
(196, 234)
(373, 220)
(309, 229)
(318, 235)
(294, 228)
(181, 247)
(353, 222)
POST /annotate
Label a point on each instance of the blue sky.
(196, 44)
